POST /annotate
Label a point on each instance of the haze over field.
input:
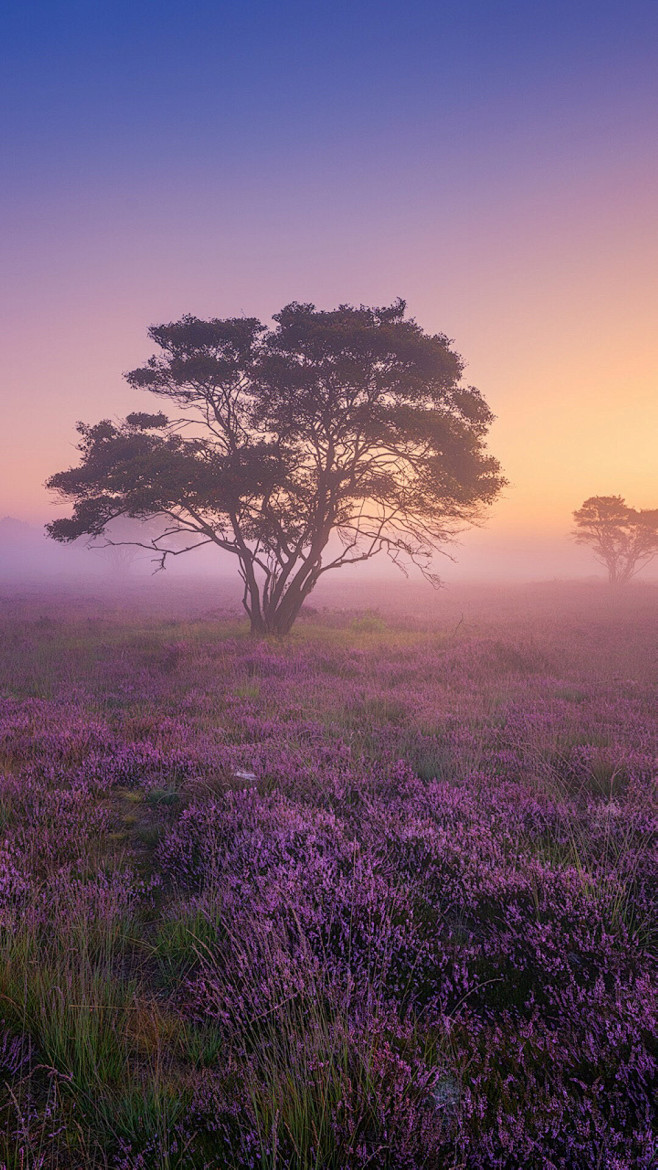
(484, 555)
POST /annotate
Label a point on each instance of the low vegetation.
(382, 895)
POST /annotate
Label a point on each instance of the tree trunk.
(276, 624)
(280, 619)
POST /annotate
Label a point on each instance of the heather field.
(381, 895)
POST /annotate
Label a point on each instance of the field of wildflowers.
(382, 895)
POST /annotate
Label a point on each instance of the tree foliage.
(622, 539)
(321, 442)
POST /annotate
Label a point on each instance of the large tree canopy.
(622, 538)
(352, 422)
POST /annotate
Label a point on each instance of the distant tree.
(352, 423)
(118, 546)
(622, 539)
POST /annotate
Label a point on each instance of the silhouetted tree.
(351, 422)
(623, 539)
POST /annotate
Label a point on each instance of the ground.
(380, 895)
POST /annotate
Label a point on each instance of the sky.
(493, 162)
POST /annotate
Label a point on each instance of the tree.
(123, 544)
(623, 539)
(318, 443)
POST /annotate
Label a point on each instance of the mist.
(518, 584)
(29, 557)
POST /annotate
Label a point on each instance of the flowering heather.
(383, 895)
